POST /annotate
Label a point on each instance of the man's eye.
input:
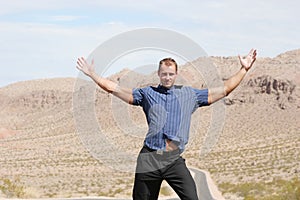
(166, 74)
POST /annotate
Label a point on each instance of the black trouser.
(154, 168)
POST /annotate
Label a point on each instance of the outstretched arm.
(215, 94)
(89, 69)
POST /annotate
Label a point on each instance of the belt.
(162, 152)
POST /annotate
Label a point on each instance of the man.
(168, 109)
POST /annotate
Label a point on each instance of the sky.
(43, 38)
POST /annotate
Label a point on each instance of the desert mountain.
(43, 145)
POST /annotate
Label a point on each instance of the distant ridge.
(42, 155)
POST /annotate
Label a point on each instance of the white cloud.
(17, 6)
(66, 17)
(37, 50)
(50, 45)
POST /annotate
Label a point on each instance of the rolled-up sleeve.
(201, 97)
(138, 96)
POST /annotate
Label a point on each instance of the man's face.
(167, 75)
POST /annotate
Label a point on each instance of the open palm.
(85, 67)
(247, 61)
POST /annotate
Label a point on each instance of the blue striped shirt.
(168, 113)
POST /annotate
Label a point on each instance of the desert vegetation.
(257, 154)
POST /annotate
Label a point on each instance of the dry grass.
(258, 148)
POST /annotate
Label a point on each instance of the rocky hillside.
(282, 91)
(43, 145)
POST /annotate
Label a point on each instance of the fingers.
(252, 56)
(78, 66)
(252, 53)
(80, 63)
(84, 66)
(240, 57)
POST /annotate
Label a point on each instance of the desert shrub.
(11, 188)
(166, 191)
(275, 190)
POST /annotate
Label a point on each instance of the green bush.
(12, 188)
(275, 190)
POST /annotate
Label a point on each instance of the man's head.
(167, 72)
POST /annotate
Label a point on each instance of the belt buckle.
(160, 152)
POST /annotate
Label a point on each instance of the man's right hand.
(89, 69)
(85, 67)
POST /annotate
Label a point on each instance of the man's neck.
(166, 88)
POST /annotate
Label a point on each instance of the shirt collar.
(164, 89)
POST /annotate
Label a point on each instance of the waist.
(171, 145)
(160, 151)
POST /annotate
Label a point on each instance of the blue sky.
(43, 38)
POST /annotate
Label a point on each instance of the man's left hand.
(248, 60)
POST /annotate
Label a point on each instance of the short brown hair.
(168, 62)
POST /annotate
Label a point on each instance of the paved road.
(206, 188)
